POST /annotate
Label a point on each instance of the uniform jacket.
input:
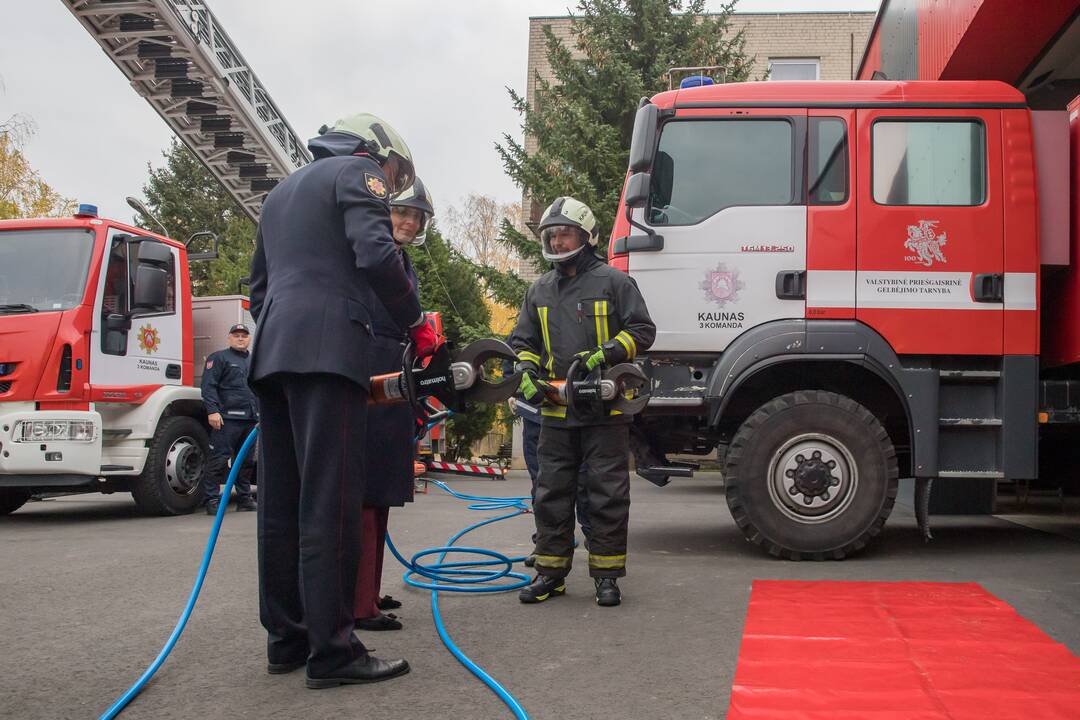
(563, 315)
(391, 446)
(224, 386)
(323, 250)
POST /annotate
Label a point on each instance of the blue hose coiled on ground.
(467, 576)
(460, 576)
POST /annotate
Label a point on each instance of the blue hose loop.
(466, 576)
(449, 577)
(129, 695)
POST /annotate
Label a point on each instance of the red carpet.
(897, 651)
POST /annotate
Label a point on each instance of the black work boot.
(607, 592)
(541, 589)
(246, 504)
(211, 507)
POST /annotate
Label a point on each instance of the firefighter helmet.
(416, 197)
(566, 211)
(381, 141)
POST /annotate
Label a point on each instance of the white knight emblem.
(926, 242)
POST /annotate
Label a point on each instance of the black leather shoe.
(285, 667)
(381, 621)
(607, 592)
(366, 669)
(246, 504)
(387, 602)
(211, 507)
(541, 589)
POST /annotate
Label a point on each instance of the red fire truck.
(847, 280)
(98, 373)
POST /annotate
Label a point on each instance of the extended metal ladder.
(177, 55)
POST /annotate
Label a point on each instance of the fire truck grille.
(5, 386)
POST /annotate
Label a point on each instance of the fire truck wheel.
(811, 475)
(11, 499)
(169, 484)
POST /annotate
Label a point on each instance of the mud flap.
(922, 506)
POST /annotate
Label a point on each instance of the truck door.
(930, 254)
(727, 196)
(137, 340)
(830, 221)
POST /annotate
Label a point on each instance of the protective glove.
(425, 340)
(592, 358)
(529, 388)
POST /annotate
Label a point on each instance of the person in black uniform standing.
(323, 246)
(232, 412)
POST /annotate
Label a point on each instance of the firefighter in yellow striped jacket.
(584, 309)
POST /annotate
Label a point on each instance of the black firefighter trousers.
(311, 493)
(605, 449)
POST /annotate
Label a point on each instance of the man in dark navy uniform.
(324, 245)
(231, 411)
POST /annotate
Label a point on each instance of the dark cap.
(239, 327)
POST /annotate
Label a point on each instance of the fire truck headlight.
(54, 430)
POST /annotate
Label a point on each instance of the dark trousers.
(311, 491)
(369, 577)
(530, 438)
(224, 446)
(604, 449)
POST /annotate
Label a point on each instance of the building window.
(923, 162)
(794, 68)
(828, 171)
(704, 166)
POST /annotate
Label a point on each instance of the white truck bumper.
(52, 457)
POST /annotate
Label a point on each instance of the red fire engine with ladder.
(102, 342)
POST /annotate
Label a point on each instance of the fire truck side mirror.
(637, 190)
(208, 255)
(151, 287)
(643, 141)
(117, 323)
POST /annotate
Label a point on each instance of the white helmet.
(382, 141)
(568, 212)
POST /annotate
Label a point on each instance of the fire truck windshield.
(43, 270)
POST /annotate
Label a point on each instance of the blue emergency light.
(695, 81)
(86, 210)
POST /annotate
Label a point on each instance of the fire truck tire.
(811, 475)
(11, 499)
(169, 484)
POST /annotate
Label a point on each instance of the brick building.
(787, 46)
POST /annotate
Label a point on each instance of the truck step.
(970, 422)
(988, 474)
(970, 375)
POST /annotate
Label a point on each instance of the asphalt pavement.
(91, 591)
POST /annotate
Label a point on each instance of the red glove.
(425, 340)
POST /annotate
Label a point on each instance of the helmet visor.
(401, 169)
(556, 247)
(402, 214)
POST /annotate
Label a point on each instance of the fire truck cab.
(845, 279)
(96, 364)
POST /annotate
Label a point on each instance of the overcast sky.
(436, 70)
